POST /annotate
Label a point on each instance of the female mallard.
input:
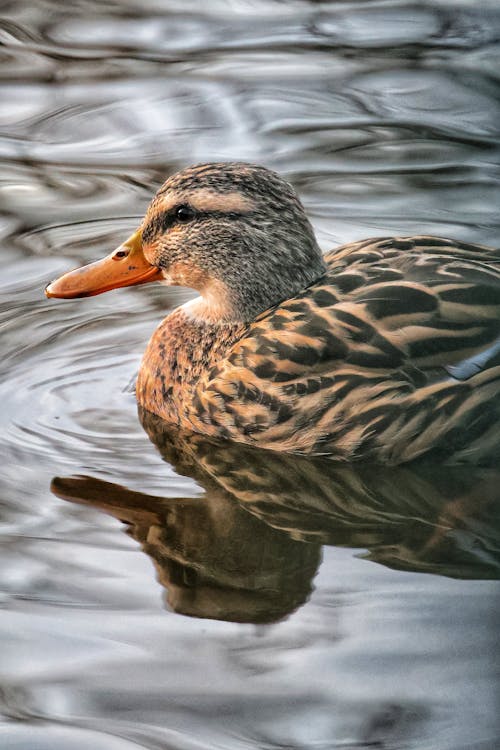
(382, 350)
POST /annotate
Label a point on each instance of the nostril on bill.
(120, 254)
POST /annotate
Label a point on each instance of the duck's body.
(385, 350)
(392, 353)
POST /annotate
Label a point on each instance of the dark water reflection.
(328, 607)
(248, 548)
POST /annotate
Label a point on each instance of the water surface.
(164, 591)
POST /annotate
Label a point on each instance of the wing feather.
(395, 350)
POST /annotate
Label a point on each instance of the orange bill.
(126, 266)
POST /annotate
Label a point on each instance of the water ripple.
(385, 116)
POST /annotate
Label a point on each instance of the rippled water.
(255, 601)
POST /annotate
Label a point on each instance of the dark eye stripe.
(164, 220)
(159, 224)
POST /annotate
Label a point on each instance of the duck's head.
(236, 233)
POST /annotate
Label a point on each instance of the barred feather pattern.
(394, 353)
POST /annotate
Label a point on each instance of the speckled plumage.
(385, 350)
(374, 361)
(249, 238)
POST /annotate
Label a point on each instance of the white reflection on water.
(386, 118)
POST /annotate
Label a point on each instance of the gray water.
(159, 590)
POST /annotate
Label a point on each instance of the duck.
(383, 350)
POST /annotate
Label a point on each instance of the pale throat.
(215, 304)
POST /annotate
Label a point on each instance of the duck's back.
(393, 354)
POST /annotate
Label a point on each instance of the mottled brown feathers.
(392, 353)
(179, 355)
(384, 350)
(248, 237)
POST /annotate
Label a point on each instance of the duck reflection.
(248, 549)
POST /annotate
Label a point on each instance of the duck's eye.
(184, 213)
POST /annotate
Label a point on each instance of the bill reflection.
(249, 548)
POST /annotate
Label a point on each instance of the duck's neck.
(183, 349)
